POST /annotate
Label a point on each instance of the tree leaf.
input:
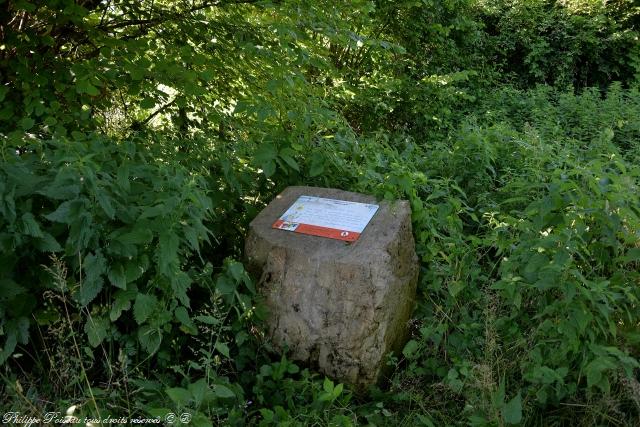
(266, 152)
(269, 168)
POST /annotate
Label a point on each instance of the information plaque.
(335, 219)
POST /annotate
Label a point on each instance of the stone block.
(341, 307)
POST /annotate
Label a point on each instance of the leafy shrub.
(574, 43)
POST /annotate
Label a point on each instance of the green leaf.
(223, 391)
(105, 203)
(168, 252)
(27, 123)
(96, 329)
(596, 372)
(143, 307)
(265, 153)
(150, 338)
(269, 168)
(139, 235)
(62, 213)
(84, 86)
(117, 276)
(425, 420)
(337, 391)
(94, 267)
(512, 411)
(8, 347)
(183, 317)
(208, 320)
(135, 268)
(9, 289)
(455, 287)
(224, 285)
(121, 302)
(47, 243)
(410, 349)
(200, 420)
(237, 270)
(327, 385)
(200, 392)
(180, 283)
(287, 154)
(222, 348)
(148, 103)
(30, 226)
(317, 165)
(632, 254)
(180, 396)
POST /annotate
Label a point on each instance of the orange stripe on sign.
(316, 230)
(331, 233)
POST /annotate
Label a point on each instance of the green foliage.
(577, 43)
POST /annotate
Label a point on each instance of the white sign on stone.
(335, 219)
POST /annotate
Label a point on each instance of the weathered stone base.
(341, 307)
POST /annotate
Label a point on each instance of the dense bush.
(563, 43)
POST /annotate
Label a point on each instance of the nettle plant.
(123, 223)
